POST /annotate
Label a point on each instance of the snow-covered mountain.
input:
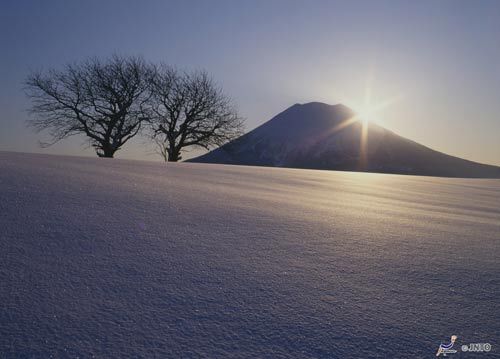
(312, 136)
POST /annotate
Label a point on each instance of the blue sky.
(441, 59)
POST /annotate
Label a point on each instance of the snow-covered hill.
(115, 259)
(313, 135)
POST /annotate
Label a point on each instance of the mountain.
(314, 136)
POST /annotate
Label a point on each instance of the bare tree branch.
(189, 109)
(103, 100)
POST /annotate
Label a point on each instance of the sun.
(367, 114)
(370, 112)
(366, 111)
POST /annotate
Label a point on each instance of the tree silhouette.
(103, 100)
(189, 109)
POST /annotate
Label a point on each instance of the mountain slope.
(312, 136)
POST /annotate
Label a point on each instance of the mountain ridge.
(314, 135)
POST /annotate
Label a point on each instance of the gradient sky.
(440, 58)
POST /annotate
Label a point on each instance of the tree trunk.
(173, 155)
(106, 151)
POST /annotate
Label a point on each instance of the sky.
(439, 59)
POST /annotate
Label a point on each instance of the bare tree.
(102, 100)
(189, 109)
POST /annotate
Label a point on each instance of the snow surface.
(114, 259)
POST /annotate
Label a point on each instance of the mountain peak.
(320, 105)
(315, 109)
